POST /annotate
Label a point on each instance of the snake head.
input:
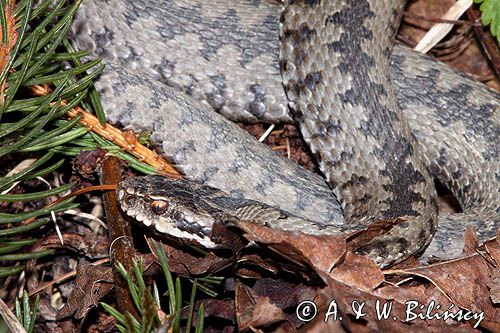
(171, 207)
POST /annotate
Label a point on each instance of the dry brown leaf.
(464, 280)
(320, 252)
(493, 249)
(364, 309)
(255, 260)
(359, 272)
(471, 242)
(92, 284)
(185, 264)
(91, 245)
(494, 285)
(318, 325)
(283, 294)
(356, 286)
(213, 308)
(87, 163)
(227, 238)
(255, 311)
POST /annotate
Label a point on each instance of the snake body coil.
(364, 144)
(335, 61)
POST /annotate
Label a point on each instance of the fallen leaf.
(493, 249)
(359, 271)
(364, 309)
(464, 280)
(494, 285)
(471, 242)
(186, 264)
(87, 162)
(282, 293)
(92, 284)
(223, 309)
(254, 311)
(321, 252)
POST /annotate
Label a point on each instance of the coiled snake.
(381, 130)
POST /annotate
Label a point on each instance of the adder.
(382, 120)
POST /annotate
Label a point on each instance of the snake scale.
(382, 120)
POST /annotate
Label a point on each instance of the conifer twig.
(126, 140)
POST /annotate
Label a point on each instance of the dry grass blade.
(10, 319)
(440, 30)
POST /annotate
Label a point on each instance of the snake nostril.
(159, 207)
(129, 200)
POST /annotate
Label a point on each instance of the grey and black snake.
(382, 120)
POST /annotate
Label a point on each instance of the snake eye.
(159, 207)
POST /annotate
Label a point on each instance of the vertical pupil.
(159, 207)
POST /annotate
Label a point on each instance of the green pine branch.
(147, 302)
(35, 135)
(31, 126)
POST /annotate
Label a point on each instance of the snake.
(382, 120)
